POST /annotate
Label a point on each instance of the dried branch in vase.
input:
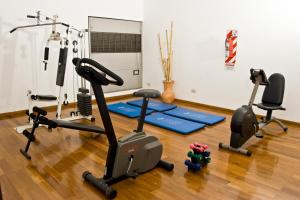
(166, 61)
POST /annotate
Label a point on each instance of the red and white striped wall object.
(230, 47)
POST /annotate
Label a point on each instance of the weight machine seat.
(44, 97)
(78, 126)
(147, 93)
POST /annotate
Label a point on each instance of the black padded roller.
(32, 116)
(28, 135)
(31, 16)
(39, 110)
(46, 121)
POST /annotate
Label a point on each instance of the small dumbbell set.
(199, 157)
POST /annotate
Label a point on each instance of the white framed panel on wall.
(117, 45)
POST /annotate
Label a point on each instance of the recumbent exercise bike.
(244, 123)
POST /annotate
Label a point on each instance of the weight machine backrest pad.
(61, 69)
(274, 92)
(46, 53)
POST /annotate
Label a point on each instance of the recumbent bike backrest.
(274, 91)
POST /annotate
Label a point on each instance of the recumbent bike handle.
(82, 70)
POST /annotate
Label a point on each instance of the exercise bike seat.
(266, 106)
(147, 93)
(273, 94)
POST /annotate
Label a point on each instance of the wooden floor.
(59, 158)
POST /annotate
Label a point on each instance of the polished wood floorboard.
(59, 158)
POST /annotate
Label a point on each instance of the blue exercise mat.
(126, 110)
(195, 116)
(173, 123)
(153, 105)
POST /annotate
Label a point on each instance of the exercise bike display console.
(244, 123)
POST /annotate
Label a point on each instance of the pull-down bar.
(45, 24)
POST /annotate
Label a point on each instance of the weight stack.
(84, 104)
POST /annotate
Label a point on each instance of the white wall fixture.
(269, 38)
(21, 54)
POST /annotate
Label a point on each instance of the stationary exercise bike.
(244, 123)
(132, 154)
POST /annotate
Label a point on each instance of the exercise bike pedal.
(132, 175)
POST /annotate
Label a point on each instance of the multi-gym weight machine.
(84, 99)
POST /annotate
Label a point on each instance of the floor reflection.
(239, 168)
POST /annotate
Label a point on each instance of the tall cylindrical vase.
(168, 96)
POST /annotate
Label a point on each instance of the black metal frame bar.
(30, 135)
(35, 25)
(109, 130)
(143, 115)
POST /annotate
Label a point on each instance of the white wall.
(21, 53)
(269, 38)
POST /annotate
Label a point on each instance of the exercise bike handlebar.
(255, 73)
(91, 74)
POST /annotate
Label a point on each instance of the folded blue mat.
(173, 123)
(126, 110)
(195, 116)
(153, 105)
